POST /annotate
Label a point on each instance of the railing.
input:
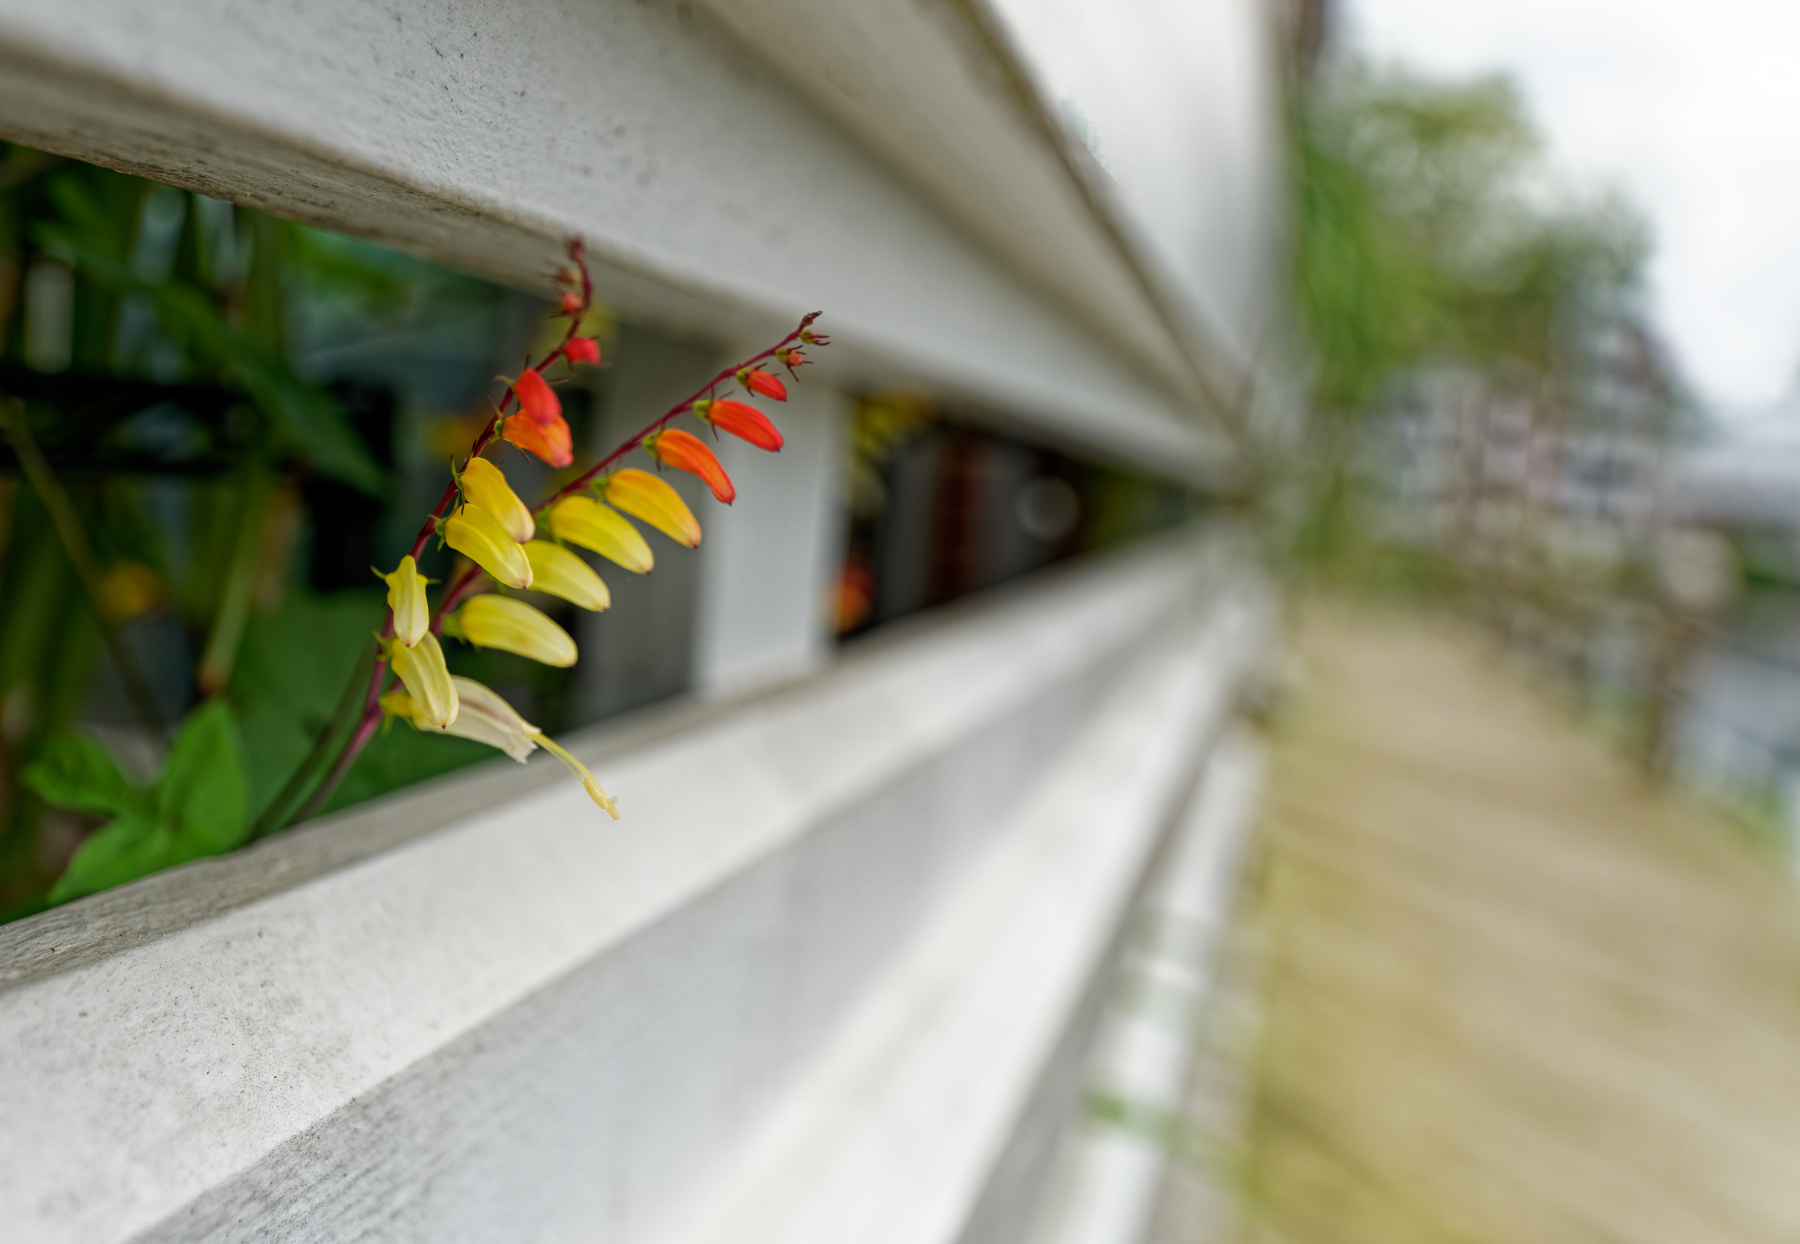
(834, 977)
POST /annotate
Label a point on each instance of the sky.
(1693, 111)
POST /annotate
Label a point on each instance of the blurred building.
(1542, 497)
(1739, 738)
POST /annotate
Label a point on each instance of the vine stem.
(73, 537)
(679, 408)
(465, 583)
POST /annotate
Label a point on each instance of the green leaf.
(203, 793)
(198, 807)
(289, 675)
(307, 420)
(74, 771)
(123, 851)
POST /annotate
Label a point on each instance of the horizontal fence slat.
(525, 1015)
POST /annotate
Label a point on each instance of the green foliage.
(197, 806)
(1364, 294)
(1419, 235)
(308, 423)
(152, 286)
(76, 772)
(293, 668)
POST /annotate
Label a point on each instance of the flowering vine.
(513, 545)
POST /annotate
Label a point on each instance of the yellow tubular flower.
(513, 626)
(595, 791)
(421, 668)
(483, 485)
(584, 521)
(486, 718)
(561, 573)
(478, 535)
(481, 715)
(642, 495)
(406, 597)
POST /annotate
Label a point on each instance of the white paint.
(767, 562)
(532, 1023)
(1109, 1177)
(939, 91)
(715, 197)
(1179, 102)
(894, 1135)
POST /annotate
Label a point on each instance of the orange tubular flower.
(757, 380)
(582, 350)
(539, 427)
(537, 400)
(550, 441)
(686, 452)
(742, 420)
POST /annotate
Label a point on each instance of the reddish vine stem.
(679, 408)
(465, 582)
(371, 714)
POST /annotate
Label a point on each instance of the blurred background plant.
(1434, 250)
(210, 417)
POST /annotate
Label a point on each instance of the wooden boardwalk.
(1510, 993)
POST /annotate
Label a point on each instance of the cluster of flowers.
(482, 518)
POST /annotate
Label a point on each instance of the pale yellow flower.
(126, 589)
(406, 597)
(421, 668)
(478, 535)
(595, 791)
(481, 715)
(486, 718)
(513, 626)
(559, 572)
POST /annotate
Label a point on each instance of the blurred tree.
(1426, 232)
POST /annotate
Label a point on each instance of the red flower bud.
(757, 380)
(814, 339)
(791, 359)
(537, 400)
(571, 302)
(741, 420)
(582, 350)
(549, 439)
(686, 452)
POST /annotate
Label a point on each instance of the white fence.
(832, 978)
(836, 975)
